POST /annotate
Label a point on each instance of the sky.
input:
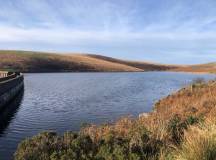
(165, 31)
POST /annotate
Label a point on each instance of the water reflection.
(9, 112)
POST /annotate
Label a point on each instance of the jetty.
(11, 84)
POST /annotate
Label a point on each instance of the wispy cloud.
(154, 30)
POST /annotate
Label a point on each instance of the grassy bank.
(181, 127)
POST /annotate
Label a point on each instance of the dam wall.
(10, 85)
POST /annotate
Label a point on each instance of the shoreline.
(158, 133)
(174, 71)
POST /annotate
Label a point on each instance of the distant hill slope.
(147, 66)
(201, 68)
(46, 62)
(26, 61)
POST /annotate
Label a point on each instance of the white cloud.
(125, 26)
(63, 35)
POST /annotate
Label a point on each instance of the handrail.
(8, 77)
(10, 86)
(9, 82)
(3, 74)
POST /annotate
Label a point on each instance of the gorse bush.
(49, 146)
(176, 127)
(138, 144)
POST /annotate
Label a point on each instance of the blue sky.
(166, 31)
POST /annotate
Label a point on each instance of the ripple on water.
(62, 102)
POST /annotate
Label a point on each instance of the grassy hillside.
(181, 127)
(201, 68)
(46, 62)
(141, 65)
(25, 61)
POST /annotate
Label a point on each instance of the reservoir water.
(64, 101)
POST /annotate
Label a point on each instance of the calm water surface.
(63, 101)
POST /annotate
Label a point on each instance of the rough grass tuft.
(199, 144)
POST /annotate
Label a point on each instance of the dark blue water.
(63, 101)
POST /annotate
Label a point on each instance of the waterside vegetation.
(182, 126)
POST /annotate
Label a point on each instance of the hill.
(29, 61)
(146, 66)
(200, 68)
(26, 61)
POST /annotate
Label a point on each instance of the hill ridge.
(33, 61)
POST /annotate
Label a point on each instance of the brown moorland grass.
(181, 127)
(147, 66)
(101, 64)
(48, 62)
(201, 68)
(199, 143)
(29, 61)
(168, 124)
(197, 100)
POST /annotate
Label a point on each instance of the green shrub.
(176, 127)
(199, 81)
(72, 146)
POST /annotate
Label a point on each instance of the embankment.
(10, 85)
